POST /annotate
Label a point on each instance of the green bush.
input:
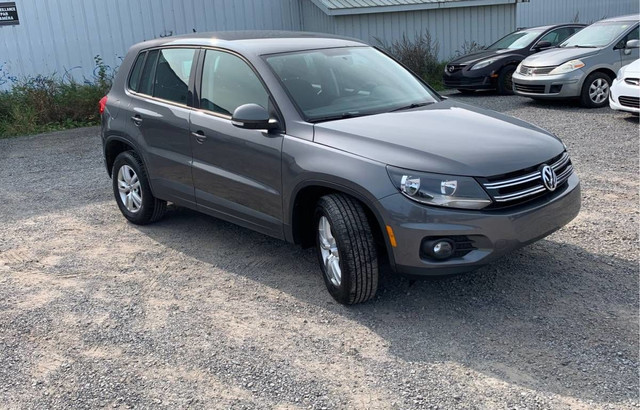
(420, 55)
(40, 104)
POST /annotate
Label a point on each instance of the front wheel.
(346, 249)
(595, 90)
(505, 80)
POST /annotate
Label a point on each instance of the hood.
(557, 56)
(632, 69)
(482, 55)
(446, 137)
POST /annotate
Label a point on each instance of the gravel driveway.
(195, 312)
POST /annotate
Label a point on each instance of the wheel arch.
(598, 69)
(299, 229)
(113, 146)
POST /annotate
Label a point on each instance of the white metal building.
(450, 22)
(541, 12)
(64, 36)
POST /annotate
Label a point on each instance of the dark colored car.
(327, 142)
(492, 68)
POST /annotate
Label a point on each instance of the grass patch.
(42, 104)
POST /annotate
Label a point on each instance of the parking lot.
(196, 312)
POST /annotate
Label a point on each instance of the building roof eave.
(343, 11)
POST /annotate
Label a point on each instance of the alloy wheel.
(129, 189)
(329, 251)
(599, 90)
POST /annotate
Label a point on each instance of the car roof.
(545, 28)
(254, 42)
(628, 17)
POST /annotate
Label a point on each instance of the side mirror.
(632, 44)
(252, 117)
(543, 44)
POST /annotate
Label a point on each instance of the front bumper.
(559, 86)
(469, 80)
(621, 89)
(494, 233)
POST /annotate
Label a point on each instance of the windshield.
(597, 35)
(516, 40)
(347, 82)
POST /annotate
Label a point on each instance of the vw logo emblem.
(549, 178)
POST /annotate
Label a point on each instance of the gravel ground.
(195, 312)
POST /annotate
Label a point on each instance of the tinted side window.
(558, 35)
(633, 35)
(134, 77)
(228, 82)
(148, 73)
(172, 74)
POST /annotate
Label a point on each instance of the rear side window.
(148, 73)
(228, 82)
(172, 74)
(134, 77)
(558, 35)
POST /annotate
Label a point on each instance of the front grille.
(632, 102)
(452, 68)
(529, 88)
(526, 70)
(453, 82)
(632, 81)
(524, 185)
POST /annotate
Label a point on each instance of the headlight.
(439, 190)
(483, 64)
(567, 67)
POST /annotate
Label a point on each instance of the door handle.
(137, 120)
(200, 137)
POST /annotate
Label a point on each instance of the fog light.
(439, 248)
(555, 89)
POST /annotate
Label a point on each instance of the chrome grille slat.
(526, 178)
(516, 181)
(520, 194)
(529, 185)
(565, 174)
(561, 162)
(528, 70)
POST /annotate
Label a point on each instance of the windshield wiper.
(341, 116)
(578, 46)
(410, 106)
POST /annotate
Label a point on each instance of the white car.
(625, 90)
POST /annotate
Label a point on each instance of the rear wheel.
(133, 192)
(505, 80)
(595, 90)
(346, 249)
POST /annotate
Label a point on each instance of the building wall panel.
(542, 12)
(64, 36)
(451, 27)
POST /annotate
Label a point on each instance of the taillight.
(103, 104)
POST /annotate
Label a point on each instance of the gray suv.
(324, 141)
(583, 66)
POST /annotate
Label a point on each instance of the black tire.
(505, 80)
(467, 92)
(358, 257)
(151, 208)
(585, 98)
